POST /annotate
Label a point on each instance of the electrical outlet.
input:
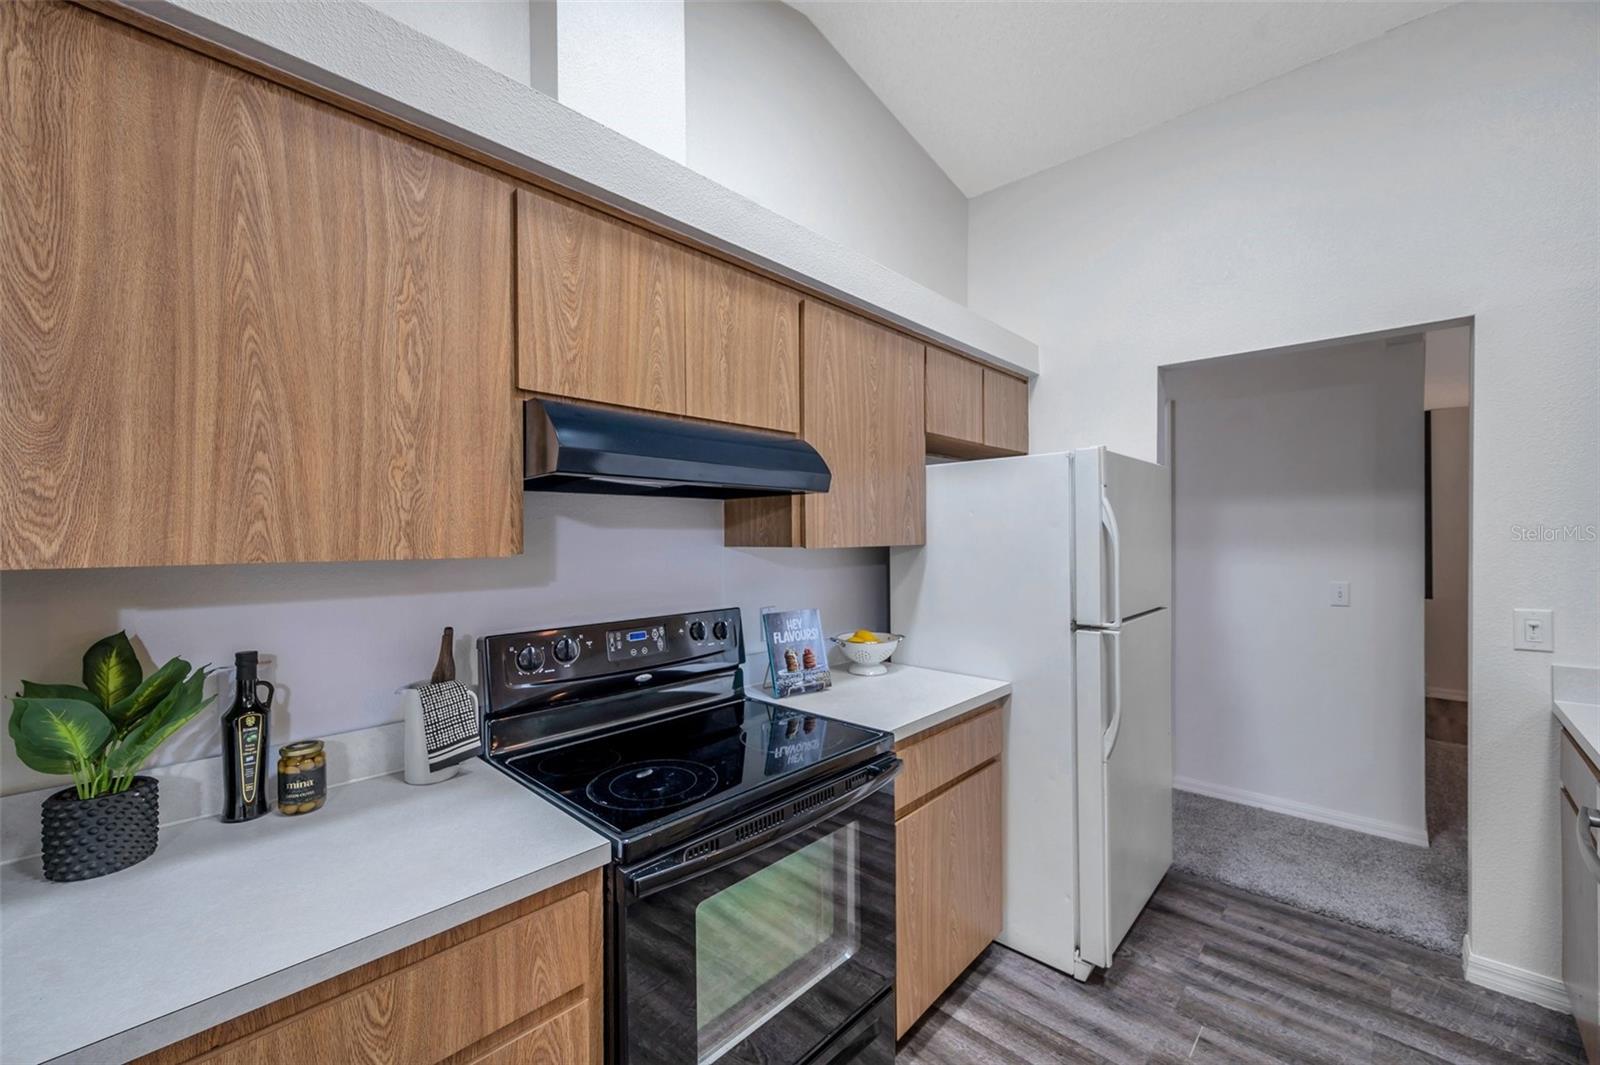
(1533, 630)
(1339, 593)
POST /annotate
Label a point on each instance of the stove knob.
(566, 650)
(720, 630)
(530, 658)
(697, 630)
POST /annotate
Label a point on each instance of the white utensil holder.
(416, 758)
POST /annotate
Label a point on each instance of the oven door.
(770, 940)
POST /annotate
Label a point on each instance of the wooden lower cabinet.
(1580, 896)
(521, 985)
(947, 858)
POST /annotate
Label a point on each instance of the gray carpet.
(1416, 893)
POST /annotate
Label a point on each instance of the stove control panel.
(624, 645)
(525, 662)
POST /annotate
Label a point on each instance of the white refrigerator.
(1055, 572)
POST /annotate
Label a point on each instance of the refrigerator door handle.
(1108, 518)
(1109, 741)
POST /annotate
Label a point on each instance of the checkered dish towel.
(450, 722)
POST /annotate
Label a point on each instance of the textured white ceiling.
(998, 90)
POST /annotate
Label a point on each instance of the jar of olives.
(302, 777)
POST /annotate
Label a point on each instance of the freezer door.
(1122, 543)
(1124, 697)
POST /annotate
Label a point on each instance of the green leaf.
(59, 735)
(111, 670)
(128, 710)
(180, 706)
(30, 690)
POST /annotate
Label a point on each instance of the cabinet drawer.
(441, 1005)
(935, 759)
(562, 1038)
(947, 890)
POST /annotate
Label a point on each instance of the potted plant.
(101, 734)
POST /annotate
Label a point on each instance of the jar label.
(303, 786)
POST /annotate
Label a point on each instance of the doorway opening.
(1320, 522)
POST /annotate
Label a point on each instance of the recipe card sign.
(797, 657)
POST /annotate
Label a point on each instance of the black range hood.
(569, 447)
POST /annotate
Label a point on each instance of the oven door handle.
(668, 872)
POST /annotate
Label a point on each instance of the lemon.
(862, 636)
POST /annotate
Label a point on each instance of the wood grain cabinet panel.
(862, 409)
(238, 325)
(947, 889)
(954, 402)
(1005, 412)
(743, 348)
(933, 759)
(600, 307)
(561, 1040)
(522, 984)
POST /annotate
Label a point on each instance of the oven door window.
(764, 941)
(761, 959)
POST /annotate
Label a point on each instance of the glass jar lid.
(300, 748)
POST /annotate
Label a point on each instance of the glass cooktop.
(701, 762)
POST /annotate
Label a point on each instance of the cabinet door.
(237, 325)
(863, 402)
(1580, 896)
(1005, 412)
(954, 402)
(947, 890)
(600, 308)
(743, 348)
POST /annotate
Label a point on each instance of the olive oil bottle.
(245, 743)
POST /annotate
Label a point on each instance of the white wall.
(1445, 170)
(621, 62)
(777, 115)
(1291, 471)
(496, 33)
(748, 94)
(1446, 612)
(344, 637)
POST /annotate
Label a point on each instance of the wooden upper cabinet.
(862, 409)
(600, 307)
(743, 341)
(1005, 412)
(954, 401)
(238, 325)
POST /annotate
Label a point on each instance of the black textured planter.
(86, 838)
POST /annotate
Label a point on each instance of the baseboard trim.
(1512, 980)
(1338, 818)
(1449, 695)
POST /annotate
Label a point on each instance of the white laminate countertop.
(905, 701)
(1575, 696)
(222, 918)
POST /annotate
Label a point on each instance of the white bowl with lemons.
(868, 650)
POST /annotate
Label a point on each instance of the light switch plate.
(1339, 593)
(1533, 630)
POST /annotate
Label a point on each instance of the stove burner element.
(652, 785)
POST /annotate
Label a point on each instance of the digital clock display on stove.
(623, 644)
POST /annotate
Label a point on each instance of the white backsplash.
(339, 639)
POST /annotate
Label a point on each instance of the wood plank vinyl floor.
(1212, 974)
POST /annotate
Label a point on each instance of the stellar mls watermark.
(1540, 533)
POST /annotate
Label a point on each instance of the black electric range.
(750, 907)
